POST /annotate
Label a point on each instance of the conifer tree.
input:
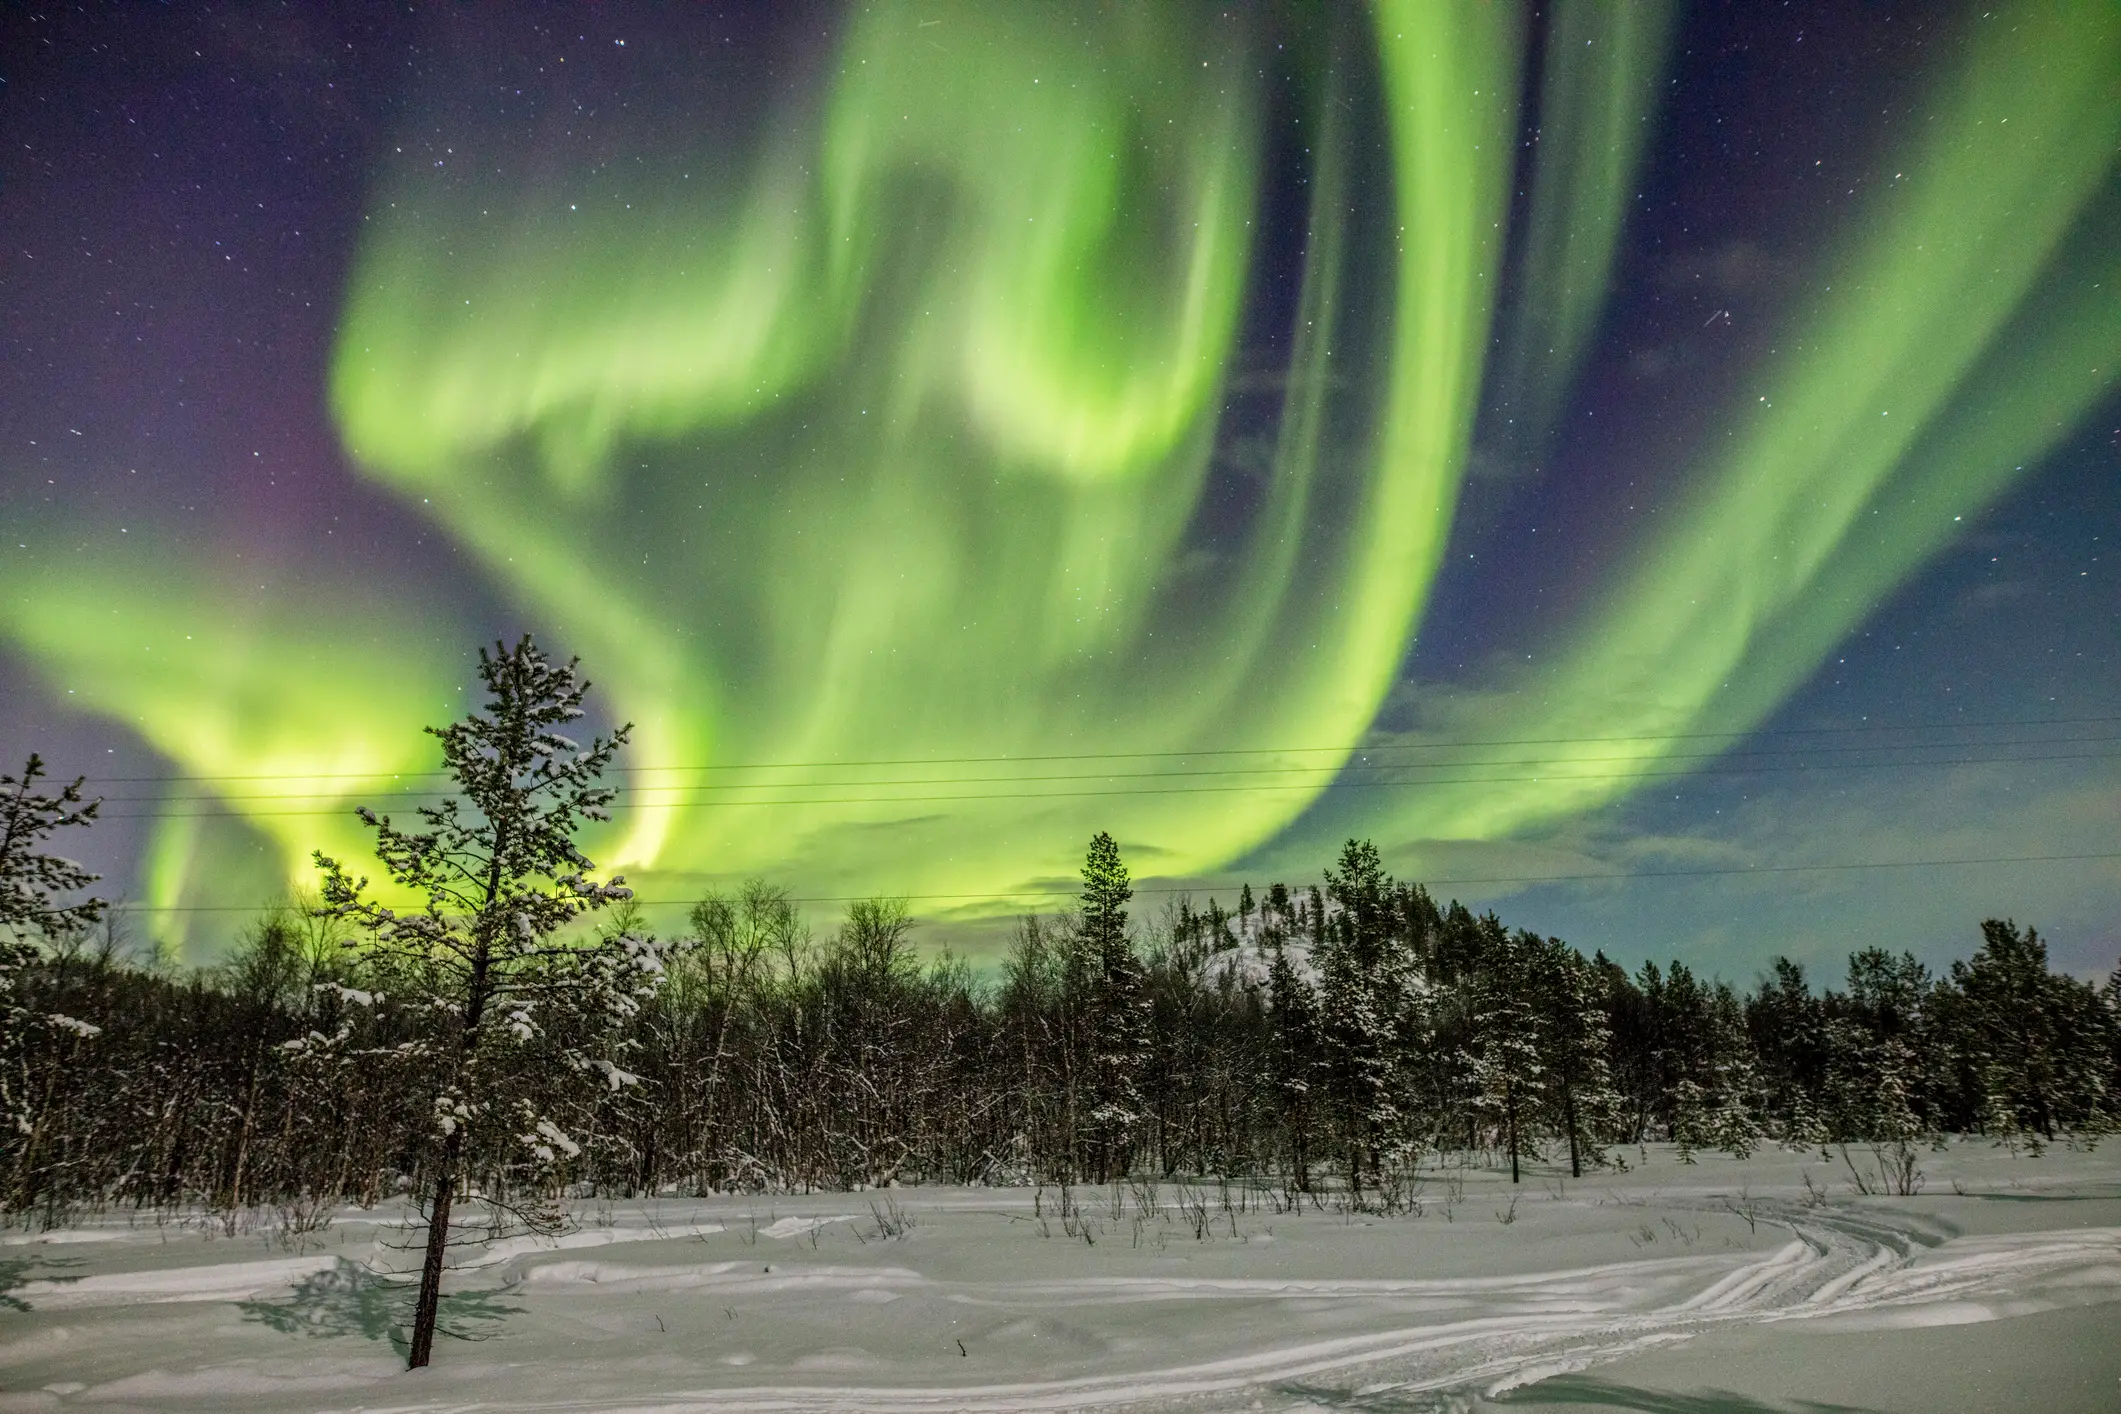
(2025, 1050)
(1359, 998)
(1577, 1041)
(29, 877)
(514, 1017)
(1118, 1024)
(1732, 1123)
(1294, 1017)
(1786, 1028)
(1509, 1073)
(1682, 1053)
(32, 883)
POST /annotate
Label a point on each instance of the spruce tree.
(1359, 997)
(1294, 1017)
(2033, 1036)
(32, 885)
(30, 878)
(1509, 1074)
(1786, 1028)
(1732, 1123)
(515, 1018)
(1577, 1041)
(1119, 1042)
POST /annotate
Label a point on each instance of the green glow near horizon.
(884, 439)
(285, 731)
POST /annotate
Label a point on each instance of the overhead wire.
(1339, 769)
(1250, 786)
(1052, 757)
(1844, 866)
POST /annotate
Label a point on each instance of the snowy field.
(1721, 1285)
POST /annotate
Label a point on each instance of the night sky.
(1672, 453)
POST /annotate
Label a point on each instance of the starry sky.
(1653, 469)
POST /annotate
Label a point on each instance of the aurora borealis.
(950, 430)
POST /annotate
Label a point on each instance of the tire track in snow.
(1836, 1264)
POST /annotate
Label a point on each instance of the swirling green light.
(892, 437)
(1599, 91)
(901, 463)
(284, 709)
(1971, 320)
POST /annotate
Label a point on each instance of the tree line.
(1331, 1036)
(1328, 1036)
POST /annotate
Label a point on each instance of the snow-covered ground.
(1718, 1285)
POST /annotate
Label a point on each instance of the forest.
(1337, 1035)
(525, 1037)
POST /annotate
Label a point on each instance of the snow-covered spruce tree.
(1733, 1123)
(1509, 1040)
(1714, 1105)
(1361, 987)
(1119, 1040)
(1576, 1040)
(2036, 1039)
(1786, 1028)
(31, 883)
(1293, 1015)
(516, 1018)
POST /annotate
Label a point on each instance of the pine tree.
(1786, 1028)
(2037, 1040)
(1294, 1017)
(1359, 995)
(1632, 1053)
(1119, 1039)
(1683, 1052)
(1732, 1123)
(1690, 1124)
(31, 914)
(516, 1017)
(1508, 1070)
(1577, 1043)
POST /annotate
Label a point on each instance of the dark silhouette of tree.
(1118, 1033)
(1576, 1041)
(1509, 1074)
(2036, 1042)
(1360, 994)
(31, 878)
(516, 1010)
(32, 882)
(1295, 1055)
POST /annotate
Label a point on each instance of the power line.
(1428, 883)
(1181, 755)
(1318, 786)
(1159, 774)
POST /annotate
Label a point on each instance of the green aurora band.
(1967, 325)
(927, 501)
(282, 727)
(863, 467)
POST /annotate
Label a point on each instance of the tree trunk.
(1568, 1106)
(423, 1318)
(250, 1109)
(1510, 1115)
